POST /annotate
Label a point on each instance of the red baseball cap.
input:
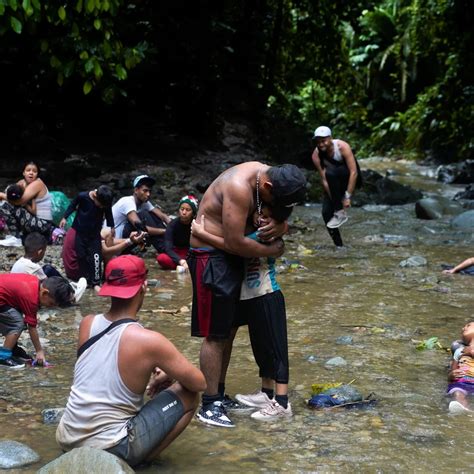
(124, 276)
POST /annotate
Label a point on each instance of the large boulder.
(464, 220)
(458, 173)
(436, 207)
(378, 189)
(468, 193)
(14, 454)
(81, 460)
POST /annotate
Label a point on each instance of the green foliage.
(77, 40)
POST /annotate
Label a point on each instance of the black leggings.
(338, 179)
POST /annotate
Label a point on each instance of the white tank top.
(337, 153)
(44, 207)
(99, 404)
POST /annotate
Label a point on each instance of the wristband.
(129, 242)
(347, 195)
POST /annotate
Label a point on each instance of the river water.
(361, 292)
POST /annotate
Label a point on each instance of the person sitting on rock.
(118, 361)
(177, 236)
(20, 298)
(461, 374)
(137, 213)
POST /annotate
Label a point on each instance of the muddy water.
(360, 292)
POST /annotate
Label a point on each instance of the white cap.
(322, 132)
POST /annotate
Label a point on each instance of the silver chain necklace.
(259, 202)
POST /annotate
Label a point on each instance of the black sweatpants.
(89, 258)
(268, 334)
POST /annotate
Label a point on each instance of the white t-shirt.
(122, 208)
(25, 265)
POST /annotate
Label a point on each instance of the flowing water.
(361, 292)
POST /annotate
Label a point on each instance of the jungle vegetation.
(388, 75)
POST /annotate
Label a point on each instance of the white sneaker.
(256, 399)
(79, 289)
(338, 219)
(457, 408)
(272, 411)
(11, 241)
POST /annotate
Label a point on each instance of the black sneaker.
(214, 414)
(11, 364)
(19, 353)
(234, 405)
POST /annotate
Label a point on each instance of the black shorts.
(217, 278)
(266, 317)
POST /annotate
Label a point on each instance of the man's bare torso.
(239, 179)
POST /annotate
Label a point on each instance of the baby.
(461, 373)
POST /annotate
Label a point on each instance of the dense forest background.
(389, 76)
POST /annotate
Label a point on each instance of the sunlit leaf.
(62, 13)
(16, 24)
(97, 24)
(87, 87)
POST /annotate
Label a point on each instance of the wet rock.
(375, 207)
(464, 220)
(153, 283)
(345, 393)
(87, 460)
(52, 416)
(382, 190)
(414, 261)
(458, 173)
(14, 454)
(345, 340)
(311, 358)
(435, 208)
(468, 193)
(336, 362)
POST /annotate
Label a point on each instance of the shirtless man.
(217, 275)
(106, 408)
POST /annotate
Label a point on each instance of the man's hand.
(278, 248)
(197, 229)
(40, 358)
(159, 381)
(184, 264)
(270, 229)
(62, 223)
(346, 203)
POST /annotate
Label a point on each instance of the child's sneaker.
(272, 411)
(256, 399)
(457, 408)
(11, 241)
(214, 414)
(339, 218)
(79, 288)
(10, 363)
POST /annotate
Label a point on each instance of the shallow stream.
(361, 292)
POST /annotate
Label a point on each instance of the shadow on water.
(361, 292)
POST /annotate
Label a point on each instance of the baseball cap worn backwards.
(288, 185)
(124, 276)
(143, 179)
(322, 132)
